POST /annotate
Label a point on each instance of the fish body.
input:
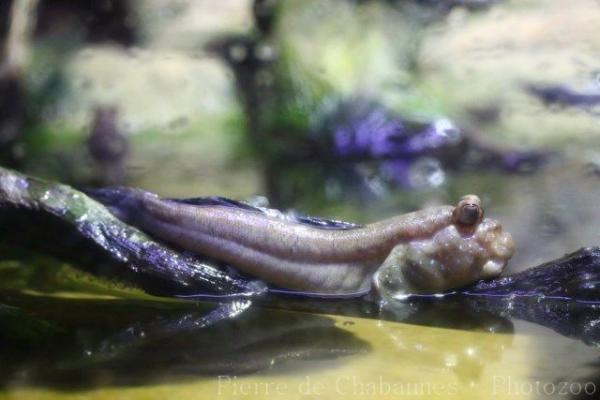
(315, 256)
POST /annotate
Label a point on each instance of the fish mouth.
(448, 260)
(497, 246)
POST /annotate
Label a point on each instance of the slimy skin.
(434, 249)
(454, 256)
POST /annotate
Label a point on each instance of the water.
(66, 346)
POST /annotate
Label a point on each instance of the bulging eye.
(469, 214)
(468, 211)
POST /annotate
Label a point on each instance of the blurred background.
(349, 109)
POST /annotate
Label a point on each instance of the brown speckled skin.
(288, 254)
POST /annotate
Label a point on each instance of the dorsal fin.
(216, 201)
(316, 222)
(324, 223)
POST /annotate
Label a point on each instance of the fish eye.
(468, 211)
(469, 214)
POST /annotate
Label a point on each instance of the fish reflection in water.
(88, 342)
(78, 344)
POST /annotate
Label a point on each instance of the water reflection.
(76, 344)
(467, 358)
(490, 314)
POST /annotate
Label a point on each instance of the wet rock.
(576, 276)
(62, 221)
